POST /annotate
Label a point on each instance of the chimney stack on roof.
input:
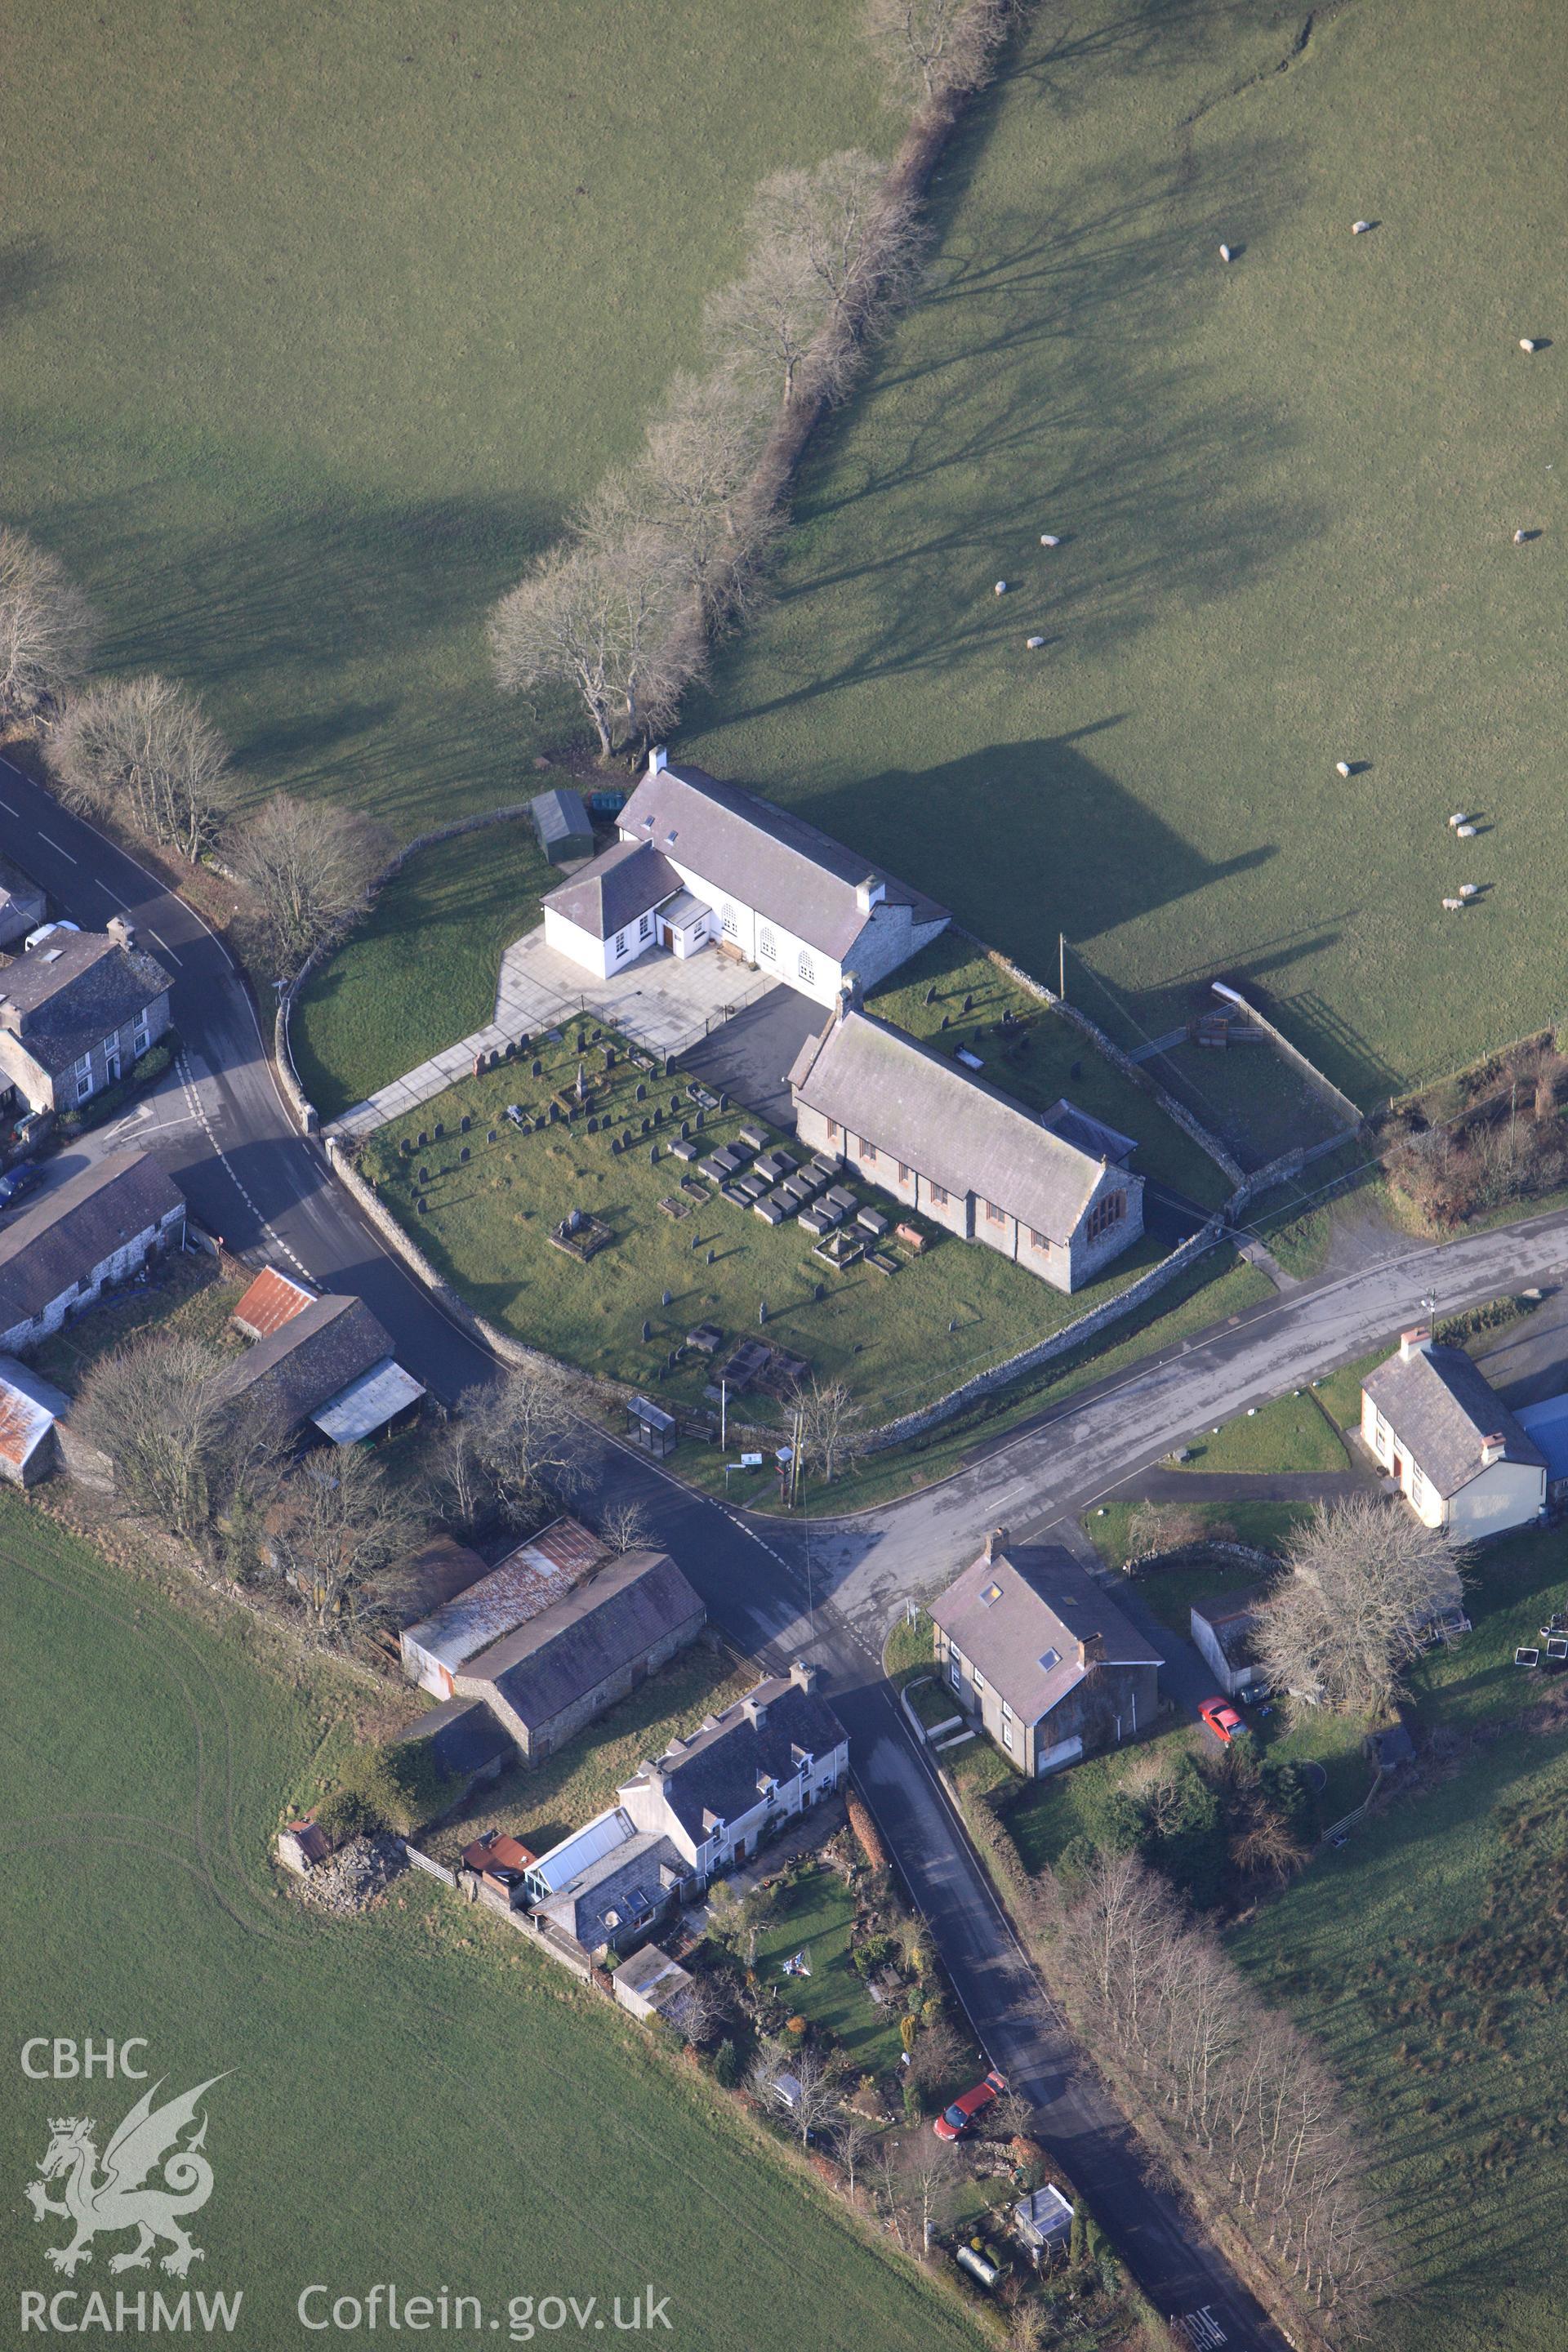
(122, 931)
(870, 893)
(1413, 1342)
(1091, 1649)
(848, 998)
(996, 1543)
(1493, 1448)
(657, 759)
(803, 1676)
(755, 1710)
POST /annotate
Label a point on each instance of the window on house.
(1038, 1241)
(766, 944)
(867, 1150)
(994, 1215)
(979, 1679)
(1007, 1733)
(952, 1670)
(644, 925)
(728, 918)
(1105, 1213)
(939, 1196)
(903, 1172)
(806, 969)
(84, 1088)
(620, 943)
(832, 1130)
(141, 1035)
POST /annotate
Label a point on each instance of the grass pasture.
(315, 322)
(393, 2076)
(896, 1339)
(1286, 492)
(814, 1913)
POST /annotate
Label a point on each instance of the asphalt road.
(829, 1591)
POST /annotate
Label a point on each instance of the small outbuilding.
(1042, 2222)
(466, 1741)
(650, 1427)
(1546, 1425)
(302, 1845)
(564, 828)
(649, 1983)
(29, 1411)
(1223, 1630)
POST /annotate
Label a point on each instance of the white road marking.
(163, 943)
(58, 851)
(199, 1111)
(9, 810)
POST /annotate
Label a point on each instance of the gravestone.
(464, 1123)
(710, 1257)
(646, 1125)
(592, 1124)
(463, 1156)
(538, 1067)
(419, 1204)
(647, 1328)
(819, 1292)
(425, 1175)
(642, 1092)
(491, 1136)
(653, 1155)
(947, 1020)
(762, 1310)
(404, 1147)
(685, 1127)
(667, 1300)
(626, 1137)
(440, 1129)
(424, 1139)
(931, 994)
(969, 1003)
(615, 1143)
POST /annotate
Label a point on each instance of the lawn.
(1286, 492)
(421, 971)
(385, 2080)
(1290, 1435)
(896, 1340)
(542, 1804)
(317, 322)
(814, 1913)
(1263, 1526)
(1043, 1060)
(1429, 1955)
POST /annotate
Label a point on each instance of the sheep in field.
(1465, 832)
(1049, 539)
(1459, 818)
(1000, 589)
(1469, 890)
(1528, 343)
(1360, 228)
(1033, 643)
(1452, 906)
(1226, 253)
(1341, 767)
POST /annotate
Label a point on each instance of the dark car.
(16, 1182)
(954, 2121)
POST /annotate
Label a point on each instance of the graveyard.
(559, 1194)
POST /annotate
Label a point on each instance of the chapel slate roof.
(1020, 1616)
(64, 1237)
(299, 1368)
(620, 884)
(951, 1127)
(792, 873)
(67, 996)
(1440, 1405)
(605, 1624)
(716, 1771)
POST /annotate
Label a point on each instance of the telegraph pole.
(1062, 965)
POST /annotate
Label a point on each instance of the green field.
(315, 322)
(897, 1340)
(421, 971)
(398, 2081)
(1290, 1435)
(1429, 1955)
(1286, 492)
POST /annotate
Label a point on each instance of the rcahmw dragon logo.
(119, 2196)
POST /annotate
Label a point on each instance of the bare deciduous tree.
(763, 324)
(505, 1446)
(934, 48)
(700, 454)
(626, 1525)
(813, 2102)
(936, 2055)
(928, 2178)
(338, 1533)
(615, 623)
(141, 750)
(1364, 1581)
(831, 1436)
(697, 2011)
(312, 867)
(47, 629)
(854, 2137)
(183, 1453)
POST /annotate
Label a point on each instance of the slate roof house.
(702, 862)
(943, 1142)
(330, 1365)
(1036, 1651)
(578, 1656)
(1461, 1459)
(59, 1252)
(21, 904)
(766, 1758)
(76, 1012)
(608, 1885)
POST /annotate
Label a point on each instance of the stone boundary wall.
(1324, 1089)
(1190, 1555)
(1224, 1161)
(1045, 1351)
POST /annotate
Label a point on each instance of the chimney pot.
(996, 1543)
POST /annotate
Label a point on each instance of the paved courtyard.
(661, 1003)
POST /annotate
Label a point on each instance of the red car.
(1222, 1721)
(954, 2121)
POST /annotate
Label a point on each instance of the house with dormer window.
(718, 1794)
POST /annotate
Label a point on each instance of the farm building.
(498, 1864)
(30, 1410)
(76, 1012)
(573, 1659)
(273, 1299)
(649, 1983)
(1461, 1459)
(465, 1740)
(302, 1845)
(564, 826)
(1223, 1630)
(700, 863)
(22, 904)
(487, 1606)
(60, 1253)
(330, 1368)
(768, 1757)
(1041, 1657)
(940, 1140)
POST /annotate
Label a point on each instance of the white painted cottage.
(1461, 1459)
(702, 863)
